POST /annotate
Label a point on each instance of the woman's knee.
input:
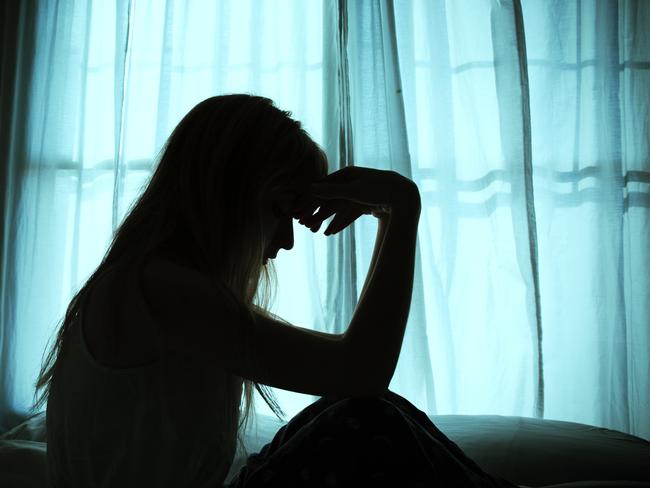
(367, 403)
(387, 394)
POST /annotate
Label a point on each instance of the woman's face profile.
(277, 218)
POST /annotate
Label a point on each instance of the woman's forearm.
(377, 327)
(379, 239)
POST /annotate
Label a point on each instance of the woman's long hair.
(204, 192)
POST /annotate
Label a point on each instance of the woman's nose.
(286, 237)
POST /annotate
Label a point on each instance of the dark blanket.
(363, 441)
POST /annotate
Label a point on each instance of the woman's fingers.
(326, 200)
(304, 207)
(304, 213)
(342, 220)
(344, 212)
(306, 204)
(314, 222)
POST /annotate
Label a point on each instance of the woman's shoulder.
(117, 328)
(163, 274)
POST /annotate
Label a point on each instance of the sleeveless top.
(161, 424)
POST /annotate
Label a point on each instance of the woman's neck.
(180, 249)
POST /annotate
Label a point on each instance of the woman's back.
(117, 329)
(119, 414)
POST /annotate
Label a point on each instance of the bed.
(529, 452)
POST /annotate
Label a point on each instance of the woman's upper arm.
(194, 315)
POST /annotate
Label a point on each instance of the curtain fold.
(123, 38)
(513, 101)
(523, 122)
(380, 135)
(634, 68)
(341, 285)
(18, 37)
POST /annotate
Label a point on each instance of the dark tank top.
(160, 424)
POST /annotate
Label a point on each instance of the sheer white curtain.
(589, 73)
(527, 129)
(524, 125)
(110, 82)
(447, 92)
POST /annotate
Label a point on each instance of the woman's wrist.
(406, 200)
(405, 204)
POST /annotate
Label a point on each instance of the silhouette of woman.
(169, 335)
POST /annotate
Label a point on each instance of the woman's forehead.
(294, 187)
(285, 195)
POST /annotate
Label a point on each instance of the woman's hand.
(354, 191)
